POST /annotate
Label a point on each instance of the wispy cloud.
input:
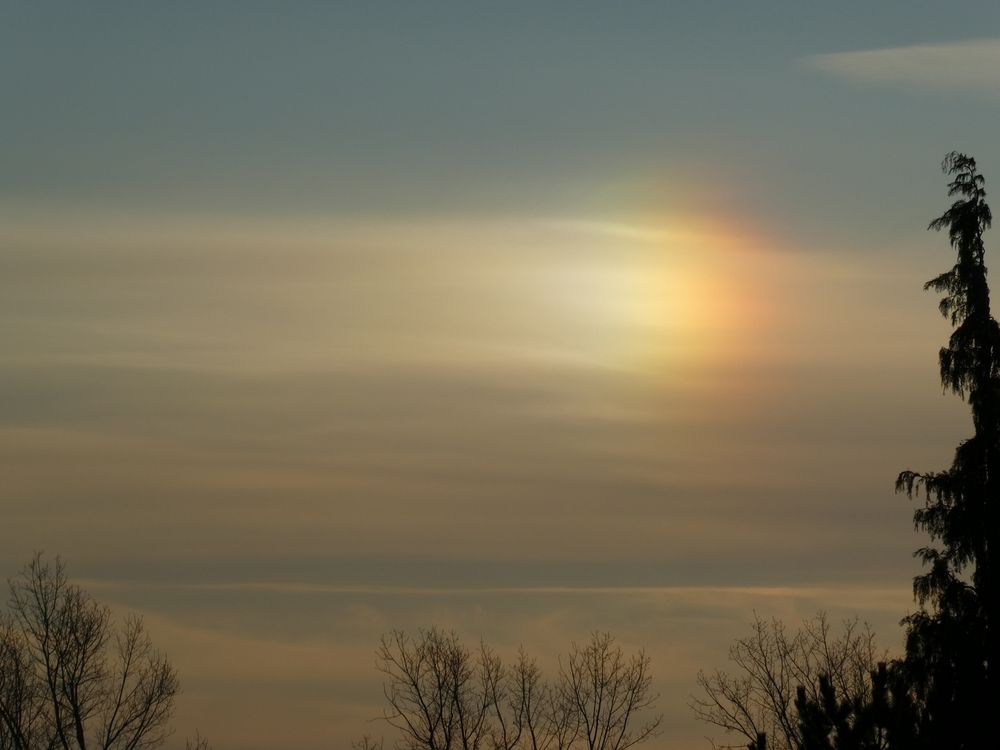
(856, 596)
(968, 67)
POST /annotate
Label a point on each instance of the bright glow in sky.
(524, 321)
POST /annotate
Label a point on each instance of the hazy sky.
(525, 319)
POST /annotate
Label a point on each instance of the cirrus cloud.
(967, 66)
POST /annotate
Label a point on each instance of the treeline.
(441, 694)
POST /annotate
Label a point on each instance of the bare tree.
(545, 723)
(435, 699)
(69, 679)
(608, 692)
(529, 714)
(758, 697)
(443, 696)
(199, 742)
(367, 742)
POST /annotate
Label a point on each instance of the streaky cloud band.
(967, 67)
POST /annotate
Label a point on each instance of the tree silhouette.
(953, 643)
(608, 691)
(69, 679)
(442, 695)
(943, 692)
(774, 670)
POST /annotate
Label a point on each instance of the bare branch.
(69, 679)
(758, 697)
(608, 692)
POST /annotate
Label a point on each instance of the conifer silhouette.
(953, 644)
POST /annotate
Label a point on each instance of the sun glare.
(671, 297)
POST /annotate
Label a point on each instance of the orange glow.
(683, 294)
(727, 295)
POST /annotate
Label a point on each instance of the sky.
(527, 320)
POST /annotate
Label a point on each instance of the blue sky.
(380, 107)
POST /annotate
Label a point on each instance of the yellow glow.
(673, 296)
(714, 291)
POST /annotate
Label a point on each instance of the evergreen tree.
(943, 693)
(953, 642)
(885, 718)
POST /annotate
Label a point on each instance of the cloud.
(968, 67)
